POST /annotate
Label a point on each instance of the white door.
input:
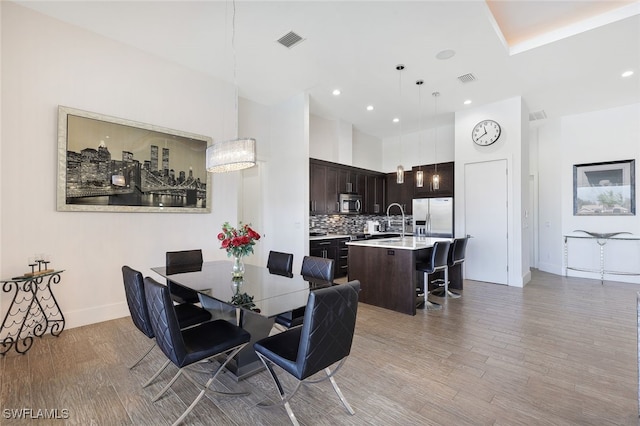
(485, 213)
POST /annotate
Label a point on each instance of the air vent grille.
(290, 39)
(537, 115)
(467, 78)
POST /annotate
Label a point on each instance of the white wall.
(323, 138)
(512, 116)
(287, 213)
(431, 145)
(367, 151)
(46, 63)
(547, 137)
(607, 135)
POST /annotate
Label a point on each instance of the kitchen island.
(386, 269)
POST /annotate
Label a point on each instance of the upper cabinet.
(351, 181)
(446, 173)
(323, 189)
(328, 180)
(401, 193)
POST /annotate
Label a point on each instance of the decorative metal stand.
(601, 239)
(34, 310)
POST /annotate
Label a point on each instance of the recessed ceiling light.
(396, 120)
(336, 92)
(467, 102)
(627, 73)
(446, 54)
(369, 107)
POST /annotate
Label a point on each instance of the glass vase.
(238, 267)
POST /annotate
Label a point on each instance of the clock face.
(486, 132)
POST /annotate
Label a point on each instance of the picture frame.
(109, 164)
(604, 189)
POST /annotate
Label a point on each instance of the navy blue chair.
(324, 339)
(185, 347)
(187, 315)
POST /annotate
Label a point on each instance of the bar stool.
(456, 257)
(435, 263)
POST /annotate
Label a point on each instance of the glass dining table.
(252, 303)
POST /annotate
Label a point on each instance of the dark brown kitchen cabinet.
(323, 189)
(401, 193)
(328, 180)
(332, 248)
(374, 194)
(446, 173)
(350, 181)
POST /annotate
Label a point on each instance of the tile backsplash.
(354, 224)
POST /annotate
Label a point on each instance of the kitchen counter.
(386, 269)
(402, 243)
(328, 237)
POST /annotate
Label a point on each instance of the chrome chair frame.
(329, 320)
(456, 257)
(184, 347)
(437, 262)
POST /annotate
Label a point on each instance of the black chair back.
(164, 322)
(328, 327)
(180, 262)
(183, 261)
(439, 255)
(280, 263)
(457, 251)
(134, 290)
(320, 268)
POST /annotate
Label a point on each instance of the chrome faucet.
(389, 218)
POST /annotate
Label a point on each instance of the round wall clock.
(486, 132)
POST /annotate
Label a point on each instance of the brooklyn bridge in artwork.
(159, 170)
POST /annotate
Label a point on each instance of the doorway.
(486, 221)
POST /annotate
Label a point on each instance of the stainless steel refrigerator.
(433, 217)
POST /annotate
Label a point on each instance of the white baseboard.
(80, 317)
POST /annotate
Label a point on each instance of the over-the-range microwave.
(350, 203)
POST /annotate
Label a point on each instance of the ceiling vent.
(467, 78)
(290, 39)
(537, 115)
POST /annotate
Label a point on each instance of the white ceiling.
(571, 66)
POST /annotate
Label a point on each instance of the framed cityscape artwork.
(116, 165)
(604, 189)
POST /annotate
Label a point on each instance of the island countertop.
(403, 243)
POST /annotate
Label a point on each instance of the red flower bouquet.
(237, 242)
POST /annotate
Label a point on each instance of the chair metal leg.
(444, 290)
(339, 392)
(430, 306)
(148, 382)
(285, 399)
(143, 356)
(183, 371)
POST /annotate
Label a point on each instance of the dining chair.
(436, 262)
(185, 347)
(187, 315)
(178, 262)
(313, 268)
(279, 263)
(455, 258)
(324, 339)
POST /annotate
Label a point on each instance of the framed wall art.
(112, 164)
(604, 189)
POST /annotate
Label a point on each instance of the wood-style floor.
(561, 351)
